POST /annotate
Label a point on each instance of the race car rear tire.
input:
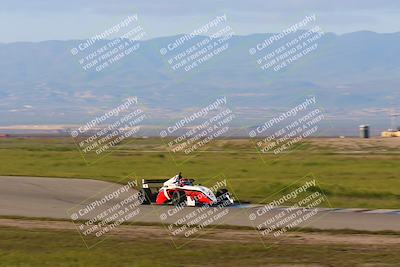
(146, 196)
(178, 197)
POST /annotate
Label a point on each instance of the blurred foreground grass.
(65, 248)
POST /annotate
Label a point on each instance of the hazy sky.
(37, 20)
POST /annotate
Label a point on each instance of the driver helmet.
(184, 181)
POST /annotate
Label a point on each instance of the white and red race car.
(181, 191)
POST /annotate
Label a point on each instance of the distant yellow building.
(390, 134)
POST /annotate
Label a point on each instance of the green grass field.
(22, 247)
(352, 173)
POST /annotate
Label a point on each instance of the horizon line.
(181, 34)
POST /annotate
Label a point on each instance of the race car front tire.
(222, 195)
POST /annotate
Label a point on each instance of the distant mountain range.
(355, 77)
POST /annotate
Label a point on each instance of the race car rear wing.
(146, 183)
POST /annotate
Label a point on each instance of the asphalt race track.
(55, 197)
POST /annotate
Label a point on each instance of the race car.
(182, 191)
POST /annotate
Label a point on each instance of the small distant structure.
(4, 135)
(392, 132)
(364, 131)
